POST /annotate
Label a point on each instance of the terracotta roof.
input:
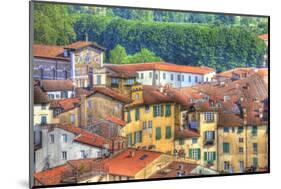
(51, 176)
(161, 66)
(126, 165)
(86, 137)
(171, 170)
(81, 44)
(39, 96)
(81, 91)
(120, 72)
(65, 104)
(49, 51)
(230, 120)
(264, 37)
(186, 133)
(57, 85)
(111, 93)
(237, 71)
(115, 120)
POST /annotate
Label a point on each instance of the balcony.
(209, 142)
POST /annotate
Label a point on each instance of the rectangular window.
(172, 77)
(138, 136)
(189, 79)
(225, 147)
(158, 133)
(158, 110)
(64, 155)
(52, 138)
(99, 79)
(156, 76)
(147, 108)
(130, 141)
(226, 166)
(51, 96)
(209, 156)
(182, 77)
(209, 116)
(115, 81)
(150, 125)
(241, 149)
(43, 120)
(168, 110)
(181, 141)
(255, 162)
(168, 132)
(144, 125)
(164, 76)
(150, 74)
(129, 117)
(89, 103)
(43, 107)
(255, 147)
(72, 118)
(240, 129)
(179, 77)
(209, 135)
(254, 131)
(137, 114)
(241, 140)
(194, 153)
(141, 75)
(196, 79)
(82, 154)
(225, 129)
(64, 138)
(241, 166)
(194, 140)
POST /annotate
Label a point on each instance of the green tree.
(53, 24)
(117, 55)
(143, 56)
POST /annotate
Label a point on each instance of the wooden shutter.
(214, 156)
(190, 153)
(154, 111)
(140, 134)
(205, 156)
(199, 153)
(162, 110)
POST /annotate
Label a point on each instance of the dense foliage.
(218, 41)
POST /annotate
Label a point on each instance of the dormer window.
(65, 53)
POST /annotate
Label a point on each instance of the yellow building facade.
(198, 140)
(149, 126)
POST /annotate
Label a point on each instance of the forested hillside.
(218, 41)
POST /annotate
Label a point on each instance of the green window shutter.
(214, 156)
(190, 153)
(154, 111)
(168, 132)
(199, 153)
(162, 110)
(137, 114)
(226, 147)
(128, 117)
(168, 110)
(158, 133)
(140, 133)
(135, 137)
(205, 156)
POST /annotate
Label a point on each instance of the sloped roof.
(51, 176)
(130, 68)
(65, 104)
(110, 93)
(115, 120)
(49, 51)
(81, 44)
(126, 165)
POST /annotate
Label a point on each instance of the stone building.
(77, 62)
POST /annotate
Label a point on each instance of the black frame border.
(31, 149)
